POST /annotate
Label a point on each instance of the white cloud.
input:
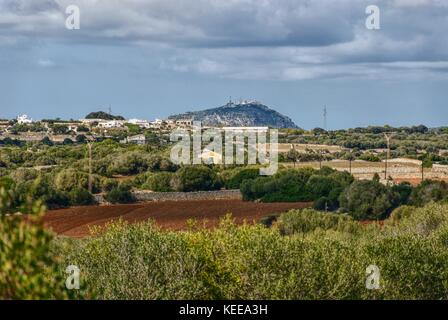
(46, 63)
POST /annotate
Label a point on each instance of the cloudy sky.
(151, 58)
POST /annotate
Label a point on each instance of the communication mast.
(325, 117)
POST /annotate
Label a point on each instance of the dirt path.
(173, 215)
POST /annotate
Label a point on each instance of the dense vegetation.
(332, 190)
(417, 142)
(307, 255)
(28, 269)
(103, 115)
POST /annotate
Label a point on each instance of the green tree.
(195, 178)
(120, 194)
(368, 200)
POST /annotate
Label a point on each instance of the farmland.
(91, 210)
(171, 215)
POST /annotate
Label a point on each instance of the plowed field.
(172, 215)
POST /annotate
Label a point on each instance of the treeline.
(331, 190)
(407, 141)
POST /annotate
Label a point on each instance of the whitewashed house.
(23, 119)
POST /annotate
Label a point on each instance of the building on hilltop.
(24, 119)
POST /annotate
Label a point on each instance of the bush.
(320, 256)
(298, 185)
(285, 186)
(307, 220)
(235, 181)
(400, 213)
(429, 191)
(69, 179)
(404, 190)
(160, 182)
(120, 194)
(28, 270)
(129, 164)
(368, 200)
(81, 197)
(195, 178)
(108, 184)
(67, 142)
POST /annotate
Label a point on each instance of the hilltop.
(103, 116)
(244, 113)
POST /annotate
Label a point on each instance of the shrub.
(67, 142)
(129, 164)
(404, 190)
(307, 220)
(120, 194)
(28, 270)
(368, 200)
(69, 179)
(298, 185)
(108, 184)
(160, 182)
(428, 191)
(158, 163)
(285, 186)
(400, 213)
(81, 197)
(234, 182)
(320, 256)
(195, 178)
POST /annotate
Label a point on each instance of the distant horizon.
(200, 109)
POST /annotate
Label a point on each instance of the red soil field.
(417, 181)
(171, 215)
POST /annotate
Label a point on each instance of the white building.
(23, 119)
(141, 123)
(184, 122)
(111, 124)
(137, 139)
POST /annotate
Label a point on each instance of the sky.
(151, 58)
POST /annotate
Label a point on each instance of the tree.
(81, 138)
(60, 129)
(67, 142)
(368, 200)
(120, 194)
(47, 141)
(293, 155)
(160, 182)
(81, 197)
(82, 128)
(195, 178)
(427, 191)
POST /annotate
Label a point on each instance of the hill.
(103, 115)
(245, 113)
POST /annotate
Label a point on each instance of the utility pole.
(423, 171)
(320, 159)
(325, 118)
(89, 144)
(350, 159)
(388, 137)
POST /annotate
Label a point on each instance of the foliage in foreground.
(28, 270)
(315, 256)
